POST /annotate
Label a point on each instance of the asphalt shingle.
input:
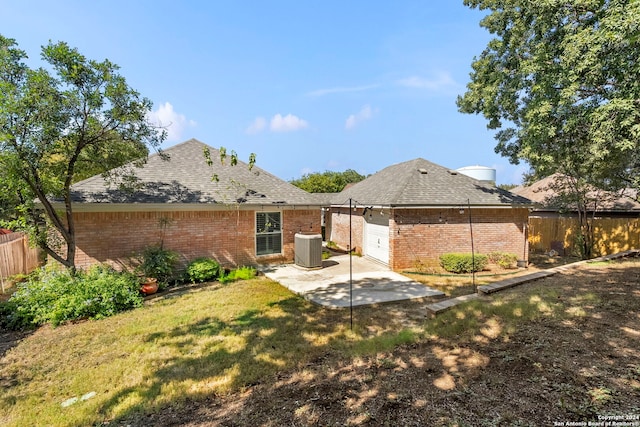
(544, 193)
(185, 177)
(422, 183)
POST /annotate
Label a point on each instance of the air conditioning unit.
(308, 250)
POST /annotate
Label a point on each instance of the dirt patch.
(579, 364)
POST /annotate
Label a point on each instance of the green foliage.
(463, 262)
(233, 160)
(558, 86)
(507, 187)
(503, 259)
(327, 182)
(68, 120)
(59, 296)
(203, 270)
(159, 263)
(242, 273)
(13, 319)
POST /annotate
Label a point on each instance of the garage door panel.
(377, 242)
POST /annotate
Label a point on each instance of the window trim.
(272, 233)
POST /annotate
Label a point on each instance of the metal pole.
(350, 270)
(473, 256)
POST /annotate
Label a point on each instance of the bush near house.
(203, 270)
(463, 262)
(159, 263)
(242, 273)
(59, 296)
(503, 259)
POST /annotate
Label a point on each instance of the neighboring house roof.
(420, 183)
(544, 195)
(4, 231)
(324, 198)
(185, 178)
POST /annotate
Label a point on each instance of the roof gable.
(419, 182)
(187, 178)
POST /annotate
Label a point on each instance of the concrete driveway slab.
(334, 286)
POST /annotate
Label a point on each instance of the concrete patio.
(370, 282)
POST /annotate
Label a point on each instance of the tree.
(327, 182)
(568, 194)
(560, 85)
(58, 126)
(507, 187)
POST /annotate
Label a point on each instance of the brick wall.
(338, 228)
(298, 221)
(226, 235)
(420, 236)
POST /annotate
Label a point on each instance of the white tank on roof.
(481, 173)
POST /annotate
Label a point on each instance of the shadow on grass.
(546, 351)
(216, 356)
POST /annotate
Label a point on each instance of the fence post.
(24, 248)
(2, 261)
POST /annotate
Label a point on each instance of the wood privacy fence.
(612, 235)
(16, 256)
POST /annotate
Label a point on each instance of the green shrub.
(242, 273)
(159, 263)
(59, 296)
(245, 273)
(203, 270)
(503, 259)
(12, 319)
(463, 262)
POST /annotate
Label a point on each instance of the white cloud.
(256, 126)
(173, 122)
(440, 82)
(287, 123)
(364, 114)
(322, 92)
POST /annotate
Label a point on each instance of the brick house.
(247, 217)
(410, 213)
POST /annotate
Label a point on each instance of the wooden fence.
(612, 235)
(16, 256)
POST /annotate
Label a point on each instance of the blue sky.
(306, 86)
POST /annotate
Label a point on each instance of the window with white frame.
(268, 233)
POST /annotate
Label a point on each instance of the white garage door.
(377, 241)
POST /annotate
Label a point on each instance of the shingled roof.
(185, 178)
(543, 193)
(420, 183)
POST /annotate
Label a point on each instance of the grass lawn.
(248, 345)
(217, 339)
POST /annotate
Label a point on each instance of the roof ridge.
(407, 178)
